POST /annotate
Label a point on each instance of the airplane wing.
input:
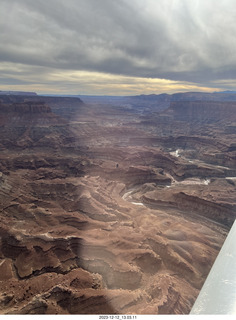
(218, 294)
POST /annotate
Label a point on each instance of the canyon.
(113, 206)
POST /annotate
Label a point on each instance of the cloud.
(179, 40)
(50, 80)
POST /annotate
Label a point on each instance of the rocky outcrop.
(222, 213)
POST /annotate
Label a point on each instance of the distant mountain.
(187, 96)
(161, 102)
(226, 91)
(203, 96)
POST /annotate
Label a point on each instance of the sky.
(117, 47)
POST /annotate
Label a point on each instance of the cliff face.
(25, 108)
(62, 106)
(27, 123)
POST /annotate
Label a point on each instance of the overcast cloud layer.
(189, 41)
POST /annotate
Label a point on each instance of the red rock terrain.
(108, 211)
